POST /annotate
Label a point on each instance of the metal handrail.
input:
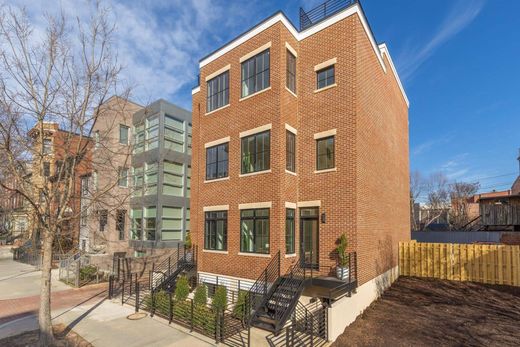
(322, 12)
(260, 288)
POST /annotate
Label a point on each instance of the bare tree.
(416, 188)
(437, 197)
(53, 85)
(460, 194)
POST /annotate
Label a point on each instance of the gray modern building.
(161, 170)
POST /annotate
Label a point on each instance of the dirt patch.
(64, 338)
(427, 312)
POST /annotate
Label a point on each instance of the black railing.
(260, 289)
(309, 327)
(322, 12)
(162, 274)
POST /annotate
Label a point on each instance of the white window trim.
(291, 173)
(214, 251)
(290, 49)
(326, 170)
(254, 94)
(325, 64)
(218, 72)
(255, 173)
(291, 129)
(325, 88)
(313, 203)
(323, 134)
(217, 180)
(255, 52)
(217, 109)
(255, 205)
(256, 130)
(290, 255)
(217, 142)
(215, 208)
(290, 205)
(261, 255)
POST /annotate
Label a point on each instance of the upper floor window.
(47, 146)
(256, 152)
(123, 177)
(103, 219)
(171, 228)
(218, 91)
(152, 132)
(120, 223)
(85, 180)
(217, 161)
(46, 169)
(325, 153)
(290, 152)
(123, 134)
(150, 179)
(255, 73)
(136, 215)
(173, 134)
(139, 138)
(150, 213)
(173, 179)
(325, 77)
(291, 72)
(138, 181)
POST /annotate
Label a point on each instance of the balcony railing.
(322, 12)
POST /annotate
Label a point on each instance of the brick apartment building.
(300, 136)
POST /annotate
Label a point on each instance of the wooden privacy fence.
(492, 264)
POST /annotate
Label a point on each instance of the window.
(149, 222)
(150, 179)
(325, 77)
(325, 153)
(173, 134)
(83, 217)
(217, 161)
(46, 169)
(85, 185)
(289, 231)
(290, 152)
(137, 224)
(152, 132)
(120, 223)
(123, 134)
(215, 231)
(188, 224)
(188, 182)
(47, 146)
(171, 228)
(291, 72)
(123, 177)
(103, 219)
(173, 179)
(138, 181)
(218, 91)
(255, 74)
(254, 231)
(256, 152)
(189, 138)
(139, 138)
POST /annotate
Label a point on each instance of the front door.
(309, 236)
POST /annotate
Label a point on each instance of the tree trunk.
(44, 315)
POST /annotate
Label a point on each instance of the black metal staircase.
(279, 302)
(164, 276)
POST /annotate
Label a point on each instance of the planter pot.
(342, 272)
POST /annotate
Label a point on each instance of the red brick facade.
(366, 196)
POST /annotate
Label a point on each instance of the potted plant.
(343, 270)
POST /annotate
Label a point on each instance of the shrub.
(87, 272)
(182, 289)
(239, 311)
(201, 295)
(161, 303)
(220, 298)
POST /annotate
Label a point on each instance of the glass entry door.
(309, 236)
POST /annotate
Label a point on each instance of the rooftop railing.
(322, 12)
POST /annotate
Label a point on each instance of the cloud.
(426, 146)
(461, 15)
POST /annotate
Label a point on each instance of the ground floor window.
(289, 231)
(254, 231)
(137, 224)
(150, 213)
(215, 232)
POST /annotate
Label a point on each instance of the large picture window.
(291, 72)
(123, 177)
(139, 138)
(150, 179)
(290, 152)
(215, 231)
(218, 91)
(173, 179)
(173, 134)
(150, 214)
(217, 161)
(289, 231)
(171, 228)
(255, 73)
(325, 153)
(256, 152)
(254, 231)
(136, 216)
(152, 132)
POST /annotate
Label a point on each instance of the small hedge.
(88, 272)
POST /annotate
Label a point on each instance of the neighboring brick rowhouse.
(515, 189)
(366, 196)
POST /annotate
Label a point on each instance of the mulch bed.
(428, 312)
(64, 337)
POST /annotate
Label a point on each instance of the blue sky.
(458, 60)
